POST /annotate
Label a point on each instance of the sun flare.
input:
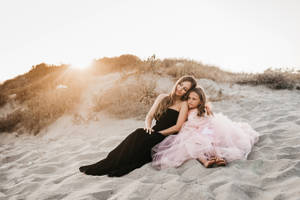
(80, 64)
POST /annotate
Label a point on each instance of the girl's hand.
(208, 108)
(149, 130)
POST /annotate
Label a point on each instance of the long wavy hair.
(169, 100)
(201, 94)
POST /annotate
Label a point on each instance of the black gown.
(134, 151)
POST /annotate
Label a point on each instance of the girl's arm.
(208, 108)
(150, 114)
(183, 113)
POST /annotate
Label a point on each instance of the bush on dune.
(41, 77)
(42, 101)
(9, 122)
(173, 67)
(3, 99)
(129, 99)
(47, 107)
(274, 79)
(116, 64)
(180, 67)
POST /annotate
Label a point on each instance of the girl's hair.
(168, 101)
(201, 94)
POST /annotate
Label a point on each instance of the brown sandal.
(208, 164)
(221, 162)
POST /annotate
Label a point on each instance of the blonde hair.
(201, 94)
(168, 101)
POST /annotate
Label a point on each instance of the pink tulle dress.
(203, 137)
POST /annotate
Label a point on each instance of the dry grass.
(180, 67)
(9, 123)
(42, 101)
(116, 64)
(36, 91)
(40, 78)
(46, 108)
(274, 79)
(127, 99)
(173, 67)
(3, 99)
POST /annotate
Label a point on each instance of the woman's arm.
(183, 113)
(150, 114)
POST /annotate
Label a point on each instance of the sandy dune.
(46, 166)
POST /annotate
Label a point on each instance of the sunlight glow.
(80, 64)
(240, 36)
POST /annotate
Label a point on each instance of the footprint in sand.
(294, 156)
(56, 196)
(60, 179)
(290, 150)
(282, 176)
(297, 122)
(243, 191)
(12, 158)
(286, 119)
(215, 185)
(42, 170)
(102, 194)
(280, 196)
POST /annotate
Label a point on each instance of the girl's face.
(182, 88)
(193, 100)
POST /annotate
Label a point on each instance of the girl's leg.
(219, 161)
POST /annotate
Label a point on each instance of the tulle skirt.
(206, 137)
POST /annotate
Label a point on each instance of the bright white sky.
(237, 35)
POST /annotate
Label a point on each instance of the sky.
(235, 35)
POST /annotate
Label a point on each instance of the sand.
(46, 166)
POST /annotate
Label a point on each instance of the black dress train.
(134, 151)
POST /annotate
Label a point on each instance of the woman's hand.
(148, 130)
(150, 114)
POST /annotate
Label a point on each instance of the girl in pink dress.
(209, 138)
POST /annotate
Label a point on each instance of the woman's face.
(193, 100)
(182, 88)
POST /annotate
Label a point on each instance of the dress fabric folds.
(204, 137)
(134, 151)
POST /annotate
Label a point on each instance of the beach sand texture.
(46, 166)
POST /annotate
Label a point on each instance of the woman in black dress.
(169, 111)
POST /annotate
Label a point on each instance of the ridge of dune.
(46, 166)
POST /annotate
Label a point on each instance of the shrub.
(116, 64)
(3, 99)
(47, 107)
(43, 102)
(129, 99)
(274, 79)
(9, 122)
(40, 78)
(181, 67)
